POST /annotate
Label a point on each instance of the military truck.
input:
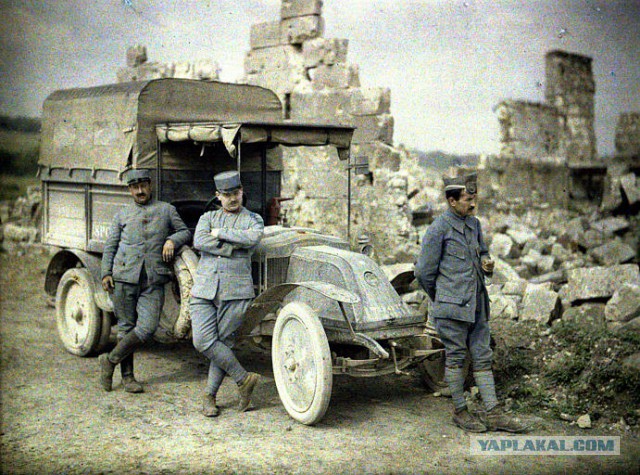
(321, 308)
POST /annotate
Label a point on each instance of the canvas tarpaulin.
(281, 133)
(113, 127)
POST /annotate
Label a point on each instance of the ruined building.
(548, 150)
(316, 83)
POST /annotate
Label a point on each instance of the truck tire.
(302, 365)
(78, 318)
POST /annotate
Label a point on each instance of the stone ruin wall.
(316, 83)
(140, 69)
(548, 150)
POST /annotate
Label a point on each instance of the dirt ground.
(57, 419)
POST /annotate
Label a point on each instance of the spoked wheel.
(78, 318)
(302, 363)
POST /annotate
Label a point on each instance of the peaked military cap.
(468, 182)
(136, 176)
(227, 181)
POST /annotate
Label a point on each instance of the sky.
(447, 63)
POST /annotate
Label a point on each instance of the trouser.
(138, 307)
(213, 324)
(460, 337)
(474, 338)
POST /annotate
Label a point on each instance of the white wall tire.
(302, 363)
(78, 318)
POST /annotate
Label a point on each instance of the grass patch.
(569, 368)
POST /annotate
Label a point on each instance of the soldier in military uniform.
(142, 241)
(223, 288)
(451, 268)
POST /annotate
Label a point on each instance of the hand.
(107, 284)
(488, 265)
(168, 250)
(214, 233)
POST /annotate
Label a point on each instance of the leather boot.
(468, 422)
(498, 419)
(106, 371)
(209, 407)
(108, 362)
(245, 389)
(128, 380)
(125, 347)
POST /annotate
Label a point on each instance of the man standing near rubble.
(141, 243)
(451, 269)
(223, 288)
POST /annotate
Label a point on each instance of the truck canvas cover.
(113, 127)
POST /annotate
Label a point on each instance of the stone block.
(624, 305)
(370, 101)
(540, 303)
(521, 235)
(294, 8)
(501, 245)
(589, 283)
(265, 35)
(281, 57)
(515, 287)
(371, 128)
(610, 225)
(504, 306)
(324, 51)
(591, 239)
(336, 76)
(631, 188)
(377, 155)
(281, 81)
(297, 30)
(136, 55)
(321, 106)
(503, 272)
(613, 252)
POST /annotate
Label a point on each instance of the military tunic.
(449, 269)
(132, 255)
(223, 288)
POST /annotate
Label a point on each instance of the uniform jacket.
(136, 237)
(225, 262)
(449, 268)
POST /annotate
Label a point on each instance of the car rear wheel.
(78, 318)
(302, 363)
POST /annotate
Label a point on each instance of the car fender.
(69, 258)
(269, 300)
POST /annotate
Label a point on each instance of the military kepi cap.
(227, 181)
(137, 176)
(468, 182)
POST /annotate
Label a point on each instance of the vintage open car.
(321, 308)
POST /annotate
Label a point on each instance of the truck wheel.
(78, 318)
(184, 268)
(105, 332)
(302, 363)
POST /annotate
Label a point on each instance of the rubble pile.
(140, 69)
(20, 221)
